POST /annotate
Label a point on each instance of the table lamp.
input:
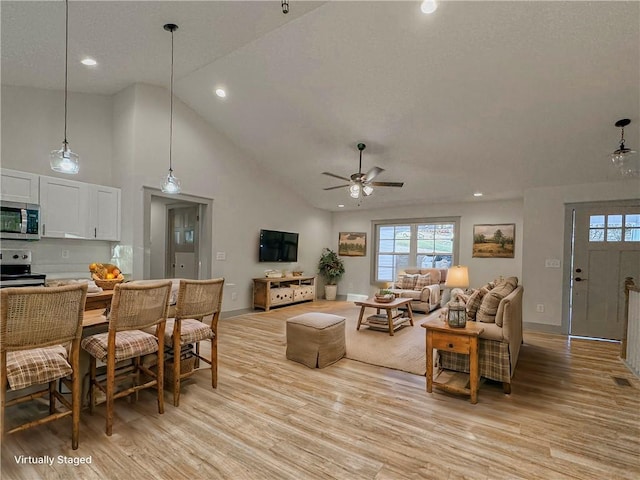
(457, 277)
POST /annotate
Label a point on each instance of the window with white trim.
(614, 228)
(416, 243)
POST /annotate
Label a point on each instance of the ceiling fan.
(361, 184)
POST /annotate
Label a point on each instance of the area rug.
(405, 350)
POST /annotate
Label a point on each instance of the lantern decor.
(457, 314)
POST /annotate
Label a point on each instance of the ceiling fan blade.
(387, 184)
(336, 176)
(338, 186)
(371, 174)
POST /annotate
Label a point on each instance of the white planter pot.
(330, 292)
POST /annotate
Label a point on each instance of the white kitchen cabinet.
(71, 209)
(104, 212)
(21, 187)
(64, 208)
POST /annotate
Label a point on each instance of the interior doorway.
(183, 236)
(605, 249)
(177, 235)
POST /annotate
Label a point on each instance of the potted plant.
(331, 269)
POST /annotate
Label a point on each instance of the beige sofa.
(424, 298)
(499, 345)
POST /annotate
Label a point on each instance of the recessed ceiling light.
(429, 6)
(477, 194)
(89, 62)
(341, 205)
(221, 93)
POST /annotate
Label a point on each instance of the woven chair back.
(139, 306)
(34, 317)
(199, 298)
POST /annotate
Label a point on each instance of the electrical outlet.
(65, 253)
(221, 255)
(540, 308)
(234, 295)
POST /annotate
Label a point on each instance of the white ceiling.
(480, 96)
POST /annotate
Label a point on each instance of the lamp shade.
(457, 277)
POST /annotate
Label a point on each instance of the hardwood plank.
(272, 418)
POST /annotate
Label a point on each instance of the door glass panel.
(632, 220)
(614, 235)
(632, 235)
(596, 221)
(596, 234)
(614, 221)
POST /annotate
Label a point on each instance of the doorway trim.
(567, 270)
(206, 228)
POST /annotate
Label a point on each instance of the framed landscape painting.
(494, 241)
(352, 244)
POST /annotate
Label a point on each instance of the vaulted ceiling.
(494, 97)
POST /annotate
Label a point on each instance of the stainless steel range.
(15, 270)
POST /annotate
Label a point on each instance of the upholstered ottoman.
(315, 339)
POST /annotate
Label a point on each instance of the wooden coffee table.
(394, 321)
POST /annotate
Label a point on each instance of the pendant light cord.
(66, 66)
(171, 110)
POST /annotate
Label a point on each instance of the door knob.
(578, 279)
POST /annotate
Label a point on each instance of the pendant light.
(171, 183)
(624, 158)
(64, 160)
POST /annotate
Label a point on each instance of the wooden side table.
(458, 340)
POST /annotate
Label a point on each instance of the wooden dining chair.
(197, 300)
(40, 336)
(134, 308)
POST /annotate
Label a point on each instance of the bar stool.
(134, 307)
(40, 336)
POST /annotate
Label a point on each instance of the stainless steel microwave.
(19, 221)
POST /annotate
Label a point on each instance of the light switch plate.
(221, 255)
(552, 263)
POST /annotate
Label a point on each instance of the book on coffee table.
(381, 322)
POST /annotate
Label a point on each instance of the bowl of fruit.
(106, 275)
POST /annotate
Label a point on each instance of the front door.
(606, 249)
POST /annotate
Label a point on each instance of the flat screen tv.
(278, 246)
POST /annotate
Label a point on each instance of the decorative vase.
(330, 292)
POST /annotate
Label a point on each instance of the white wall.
(33, 126)
(544, 232)
(481, 270)
(245, 198)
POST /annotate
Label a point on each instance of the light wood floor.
(274, 419)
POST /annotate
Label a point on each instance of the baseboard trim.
(543, 328)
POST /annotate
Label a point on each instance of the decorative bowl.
(384, 298)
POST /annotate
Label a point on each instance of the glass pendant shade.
(171, 184)
(367, 190)
(627, 162)
(625, 159)
(354, 190)
(64, 160)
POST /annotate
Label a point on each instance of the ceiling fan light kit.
(64, 160)
(624, 158)
(171, 184)
(361, 184)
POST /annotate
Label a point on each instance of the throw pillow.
(422, 281)
(489, 306)
(408, 282)
(475, 299)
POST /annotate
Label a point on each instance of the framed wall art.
(352, 244)
(494, 241)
